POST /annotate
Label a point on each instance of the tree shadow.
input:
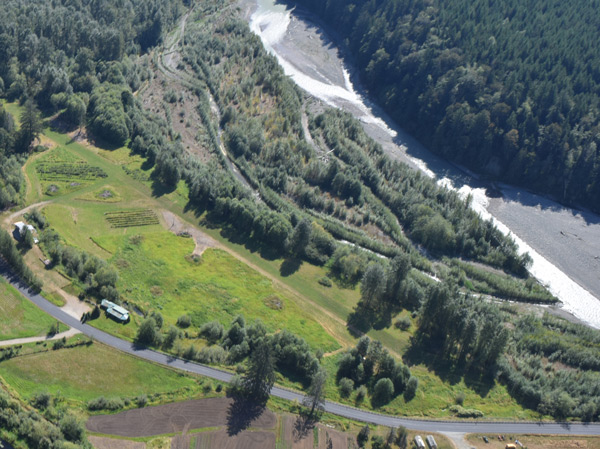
(289, 266)
(241, 413)
(159, 188)
(303, 427)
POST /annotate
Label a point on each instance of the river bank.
(564, 243)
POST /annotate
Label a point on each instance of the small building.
(419, 442)
(117, 312)
(431, 442)
(20, 228)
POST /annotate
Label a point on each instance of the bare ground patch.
(177, 226)
(172, 418)
(243, 440)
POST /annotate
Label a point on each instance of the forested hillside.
(509, 89)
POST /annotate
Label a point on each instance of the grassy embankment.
(79, 218)
(19, 318)
(83, 373)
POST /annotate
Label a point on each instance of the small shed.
(431, 442)
(115, 311)
(419, 442)
(20, 228)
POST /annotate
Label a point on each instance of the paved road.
(331, 407)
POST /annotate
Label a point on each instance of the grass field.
(19, 318)
(157, 272)
(86, 372)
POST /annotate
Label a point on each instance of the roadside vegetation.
(19, 318)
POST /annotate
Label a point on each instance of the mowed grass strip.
(19, 318)
(157, 272)
(86, 372)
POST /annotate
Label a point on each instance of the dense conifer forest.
(509, 89)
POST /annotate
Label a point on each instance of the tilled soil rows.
(172, 418)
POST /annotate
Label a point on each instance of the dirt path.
(10, 218)
(177, 225)
(22, 341)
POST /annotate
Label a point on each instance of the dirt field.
(304, 438)
(172, 418)
(243, 440)
(536, 441)
(111, 443)
(338, 439)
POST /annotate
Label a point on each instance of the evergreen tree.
(260, 375)
(315, 397)
(31, 125)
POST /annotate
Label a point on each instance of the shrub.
(72, 428)
(460, 398)
(411, 388)
(148, 333)
(361, 394)
(101, 403)
(383, 392)
(184, 321)
(213, 354)
(363, 436)
(212, 331)
(462, 412)
(346, 387)
(325, 281)
(403, 323)
(41, 400)
(141, 400)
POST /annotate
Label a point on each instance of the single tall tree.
(314, 398)
(260, 376)
(31, 125)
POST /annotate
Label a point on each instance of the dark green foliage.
(383, 392)
(494, 86)
(10, 253)
(293, 356)
(108, 119)
(260, 375)
(212, 331)
(411, 388)
(31, 126)
(465, 328)
(102, 403)
(363, 436)
(368, 363)
(73, 429)
(184, 321)
(19, 422)
(346, 387)
(148, 333)
(315, 396)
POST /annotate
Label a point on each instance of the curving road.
(331, 407)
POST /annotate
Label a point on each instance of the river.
(564, 243)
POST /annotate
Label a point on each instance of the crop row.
(69, 171)
(129, 218)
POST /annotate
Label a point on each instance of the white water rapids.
(311, 60)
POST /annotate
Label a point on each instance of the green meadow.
(86, 372)
(157, 272)
(19, 318)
